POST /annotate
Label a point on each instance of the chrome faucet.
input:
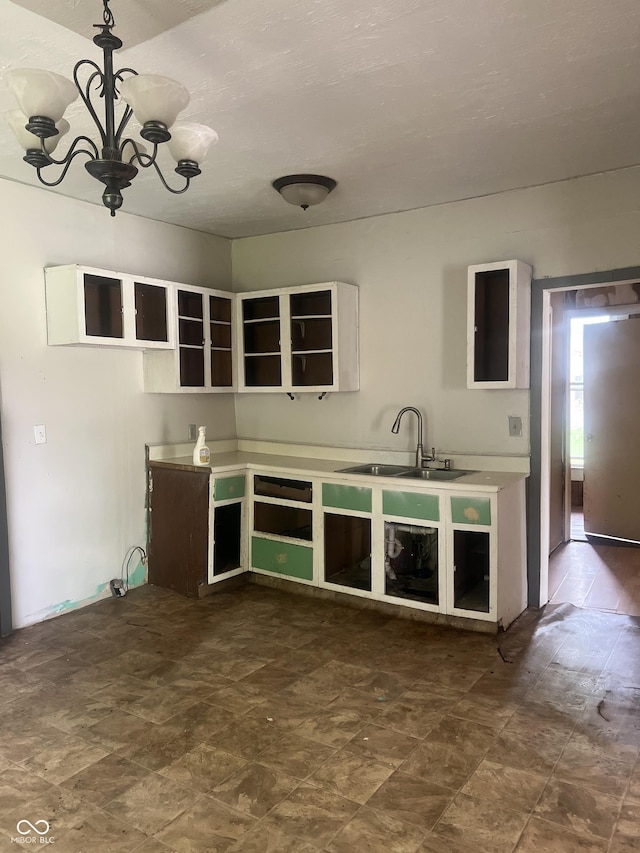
(420, 457)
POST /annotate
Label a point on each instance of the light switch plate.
(515, 426)
(40, 434)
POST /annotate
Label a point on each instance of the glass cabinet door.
(220, 342)
(103, 306)
(262, 346)
(412, 562)
(311, 338)
(191, 338)
(151, 312)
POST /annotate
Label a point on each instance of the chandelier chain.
(108, 15)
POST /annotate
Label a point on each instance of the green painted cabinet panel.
(346, 497)
(411, 505)
(471, 510)
(285, 558)
(227, 488)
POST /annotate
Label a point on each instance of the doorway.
(596, 447)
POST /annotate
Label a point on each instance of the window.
(576, 386)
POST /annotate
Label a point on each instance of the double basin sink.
(378, 470)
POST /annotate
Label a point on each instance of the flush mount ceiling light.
(155, 101)
(304, 190)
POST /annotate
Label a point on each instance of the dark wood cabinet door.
(179, 529)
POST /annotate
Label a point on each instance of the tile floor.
(601, 577)
(266, 722)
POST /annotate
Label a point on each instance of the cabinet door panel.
(357, 498)
(151, 312)
(103, 306)
(411, 505)
(226, 488)
(471, 511)
(285, 558)
(179, 534)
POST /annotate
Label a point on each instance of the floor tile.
(60, 808)
(63, 757)
(488, 826)
(412, 800)
(151, 804)
(100, 831)
(202, 768)
(295, 756)
(246, 738)
(19, 786)
(415, 718)
(376, 832)
(267, 837)
(541, 836)
(578, 809)
(516, 789)
(254, 789)
(331, 727)
(105, 780)
(352, 776)
(313, 814)
(441, 763)
(380, 744)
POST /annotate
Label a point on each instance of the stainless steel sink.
(376, 470)
(433, 474)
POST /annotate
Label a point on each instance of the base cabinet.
(454, 553)
(196, 528)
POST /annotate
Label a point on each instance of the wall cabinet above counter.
(195, 339)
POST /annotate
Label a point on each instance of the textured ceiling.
(406, 103)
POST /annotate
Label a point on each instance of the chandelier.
(114, 160)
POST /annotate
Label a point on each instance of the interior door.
(611, 417)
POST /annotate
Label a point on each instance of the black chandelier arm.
(67, 163)
(140, 156)
(166, 185)
(124, 121)
(85, 94)
(71, 153)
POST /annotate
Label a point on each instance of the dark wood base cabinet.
(179, 529)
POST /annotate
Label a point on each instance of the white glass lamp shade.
(154, 98)
(41, 93)
(191, 141)
(301, 194)
(304, 190)
(29, 141)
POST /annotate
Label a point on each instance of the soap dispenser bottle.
(201, 453)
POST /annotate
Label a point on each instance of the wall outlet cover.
(117, 588)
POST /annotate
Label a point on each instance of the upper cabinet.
(299, 339)
(195, 339)
(498, 322)
(203, 359)
(92, 306)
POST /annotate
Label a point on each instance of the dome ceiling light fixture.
(155, 101)
(304, 190)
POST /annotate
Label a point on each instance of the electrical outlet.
(515, 426)
(40, 433)
(193, 432)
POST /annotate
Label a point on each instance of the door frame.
(5, 581)
(538, 516)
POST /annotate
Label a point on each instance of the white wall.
(76, 503)
(411, 270)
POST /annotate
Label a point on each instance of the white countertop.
(301, 467)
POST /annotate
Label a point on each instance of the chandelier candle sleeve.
(112, 158)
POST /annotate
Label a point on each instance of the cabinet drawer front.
(471, 511)
(346, 497)
(411, 505)
(285, 558)
(227, 488)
